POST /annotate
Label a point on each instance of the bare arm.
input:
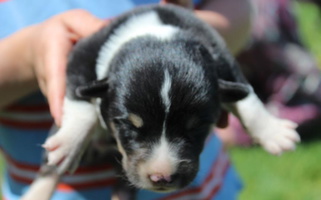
(16, 76)
(35, 57)
(232, 19)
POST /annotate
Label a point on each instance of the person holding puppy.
(33, 52)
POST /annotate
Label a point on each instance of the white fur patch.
(163, 152)
(140, 25)
(76, 110)
(163, 160)
(79, 120)
(274, 134)
(167, 84)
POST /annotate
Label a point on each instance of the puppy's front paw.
(57, 148)
(277, 135)
(64, 150)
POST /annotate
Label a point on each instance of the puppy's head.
(160, 122)
(160, 110)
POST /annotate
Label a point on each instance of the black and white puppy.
(156, 80)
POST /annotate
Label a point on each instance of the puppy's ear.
(232, 84)
(94, 89)
(232, 91)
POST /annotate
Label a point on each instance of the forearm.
(16, 75)
(231, 18)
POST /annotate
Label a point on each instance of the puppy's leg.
(45, 184)
(69, 143)
(274, 134)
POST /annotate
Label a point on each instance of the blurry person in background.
(281, 70)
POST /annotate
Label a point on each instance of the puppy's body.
(156, 80)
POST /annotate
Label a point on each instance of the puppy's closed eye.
(197, 124)
(192, 123)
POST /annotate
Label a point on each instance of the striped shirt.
(24, 126)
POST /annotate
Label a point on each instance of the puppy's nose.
(160, 178)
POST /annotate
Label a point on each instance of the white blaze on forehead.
(166, 87)
(140, 25)
(163, 152)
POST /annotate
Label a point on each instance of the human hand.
(50, 43)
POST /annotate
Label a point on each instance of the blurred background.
(295, 175)
(284, 54)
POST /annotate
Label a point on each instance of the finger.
(74, 25)
(55, 65)
(82, 22)
(56, 90)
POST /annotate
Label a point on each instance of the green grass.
(309, 19)
(294, 176)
